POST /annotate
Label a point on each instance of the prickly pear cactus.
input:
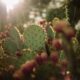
(34, 37)
(34, 40)
(12, 43)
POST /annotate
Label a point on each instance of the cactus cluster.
(32, 56)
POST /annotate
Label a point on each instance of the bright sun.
(10, 4)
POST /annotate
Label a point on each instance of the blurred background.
(19, 12)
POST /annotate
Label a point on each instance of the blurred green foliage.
(59, 12)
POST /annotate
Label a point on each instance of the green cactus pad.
(50, 32)
(34, 37)
(12, 43)
(10, 46)
(14, 35)
(25, 57)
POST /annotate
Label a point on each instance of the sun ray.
(10, 4)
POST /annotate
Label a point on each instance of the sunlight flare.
(10, 4)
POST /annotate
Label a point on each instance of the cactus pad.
(34, 37)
